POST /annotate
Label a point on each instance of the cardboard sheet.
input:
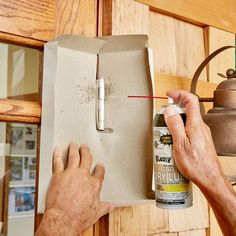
(71, 66)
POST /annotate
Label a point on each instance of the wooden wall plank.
(195, 217)
(178, 47)
(200, 232)
(87, 232)
(76, 17)
(214, 226)
(220, 14)
(216, 38)
(165, 83)
(30, 19)
(157, 220)
(19, 111)
(104, 17)
(129, 17)
(164, 234)
(228, 165)
(128, 221)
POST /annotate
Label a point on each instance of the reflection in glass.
(19, 72)
(18, 169)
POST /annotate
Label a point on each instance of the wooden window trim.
(209, 12)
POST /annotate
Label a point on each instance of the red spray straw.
(159, 97)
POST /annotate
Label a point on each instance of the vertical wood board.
(216, 38)
(76, 17)
(195, 217)
(129, 17)
(157, 220)
(128, 221)
(178, 47)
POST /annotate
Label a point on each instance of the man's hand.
(196, 158)
(194, 151)
(73, 199)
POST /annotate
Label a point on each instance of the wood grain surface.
(216, 38)
(220, 14)
(77, 17)
(30, 19)
(178, 47)
(129, 17)
(19, 111)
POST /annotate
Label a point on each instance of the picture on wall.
(23, 139)
(17, 140)
(16, 173)
(21, 199)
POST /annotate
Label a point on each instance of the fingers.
(174, 123)
(190, 102)
(99, 172)
(58, 165)
(105, 207)
(74, 157)
(86, 157)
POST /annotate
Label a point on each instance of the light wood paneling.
(228, 164)
(128, 221)
(129, 17)
(165, 83)
(162, 42)
(157, 220)
(195, 217)
(216, 38)
(164, 234)
(76, 17)
(178, 47)
(214, 226)
(220, 14)
(87, 232)
(200, 232)
(30, 19)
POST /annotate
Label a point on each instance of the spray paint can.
(172, 189)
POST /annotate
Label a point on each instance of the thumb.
(175, 124)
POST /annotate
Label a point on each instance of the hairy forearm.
(54, 222)
(222, 198)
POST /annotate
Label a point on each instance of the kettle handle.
(199, 70)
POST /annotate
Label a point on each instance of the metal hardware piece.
(100, 104)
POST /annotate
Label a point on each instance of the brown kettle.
(222, 117)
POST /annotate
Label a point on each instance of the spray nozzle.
(170, 100)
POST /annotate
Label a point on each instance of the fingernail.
(84, 146)
(170, 111)
(101, 164)
(57, 150)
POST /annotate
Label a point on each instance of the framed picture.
(17, 140)
(23, 170)
(29, 168)
(23, 139)
(16, 173)
(21, 200)
(30, 136)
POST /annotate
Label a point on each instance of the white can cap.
(170, 100)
